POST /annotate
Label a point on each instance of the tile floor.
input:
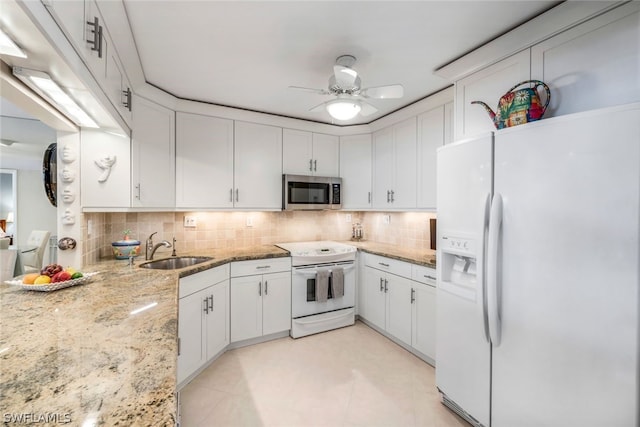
(347, 377)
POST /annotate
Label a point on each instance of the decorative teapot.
(519, 106)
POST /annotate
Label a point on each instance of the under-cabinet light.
(42, 84)
(9, 47)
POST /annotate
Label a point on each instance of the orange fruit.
(28, 279)
(42, 280)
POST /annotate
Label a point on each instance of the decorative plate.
(17, 281)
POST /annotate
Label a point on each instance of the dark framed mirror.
(50, 172)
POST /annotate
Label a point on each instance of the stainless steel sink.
(175, 262)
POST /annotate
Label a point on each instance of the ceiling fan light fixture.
(341, 109)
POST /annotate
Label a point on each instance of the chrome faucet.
(151, 248)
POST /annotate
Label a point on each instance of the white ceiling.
(245, 54)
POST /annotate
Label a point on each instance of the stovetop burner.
(307, 253)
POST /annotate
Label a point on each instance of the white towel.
(322, 285)
(337, 282)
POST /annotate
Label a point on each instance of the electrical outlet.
(348, 217)
(89, 227)
(386, 219)
(249, 221)
(190, 221)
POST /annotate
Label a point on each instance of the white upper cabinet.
(69, 15)
(593, 65)
(394, 166)
(297, 152)
(258, 166)
(431, 136)
(486, 85)
(85, 28)
(152, 155)
(449, 130)
(204, 161)
(307, 153)
(326, 155)
(355, 171)
(105, 180)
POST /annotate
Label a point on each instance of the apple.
(61, 276)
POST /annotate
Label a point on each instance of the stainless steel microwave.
(302, 192)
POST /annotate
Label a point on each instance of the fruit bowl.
(17, 281)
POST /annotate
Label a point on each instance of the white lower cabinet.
(203, 319)
(388, 303)
(260, 298)
(398, 300)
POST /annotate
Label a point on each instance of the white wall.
(35, 211)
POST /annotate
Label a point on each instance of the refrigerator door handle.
(483, 278)
(495, 226)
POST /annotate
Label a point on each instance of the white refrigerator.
(539, 271)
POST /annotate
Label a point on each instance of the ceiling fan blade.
(319, 108)
(310, 89)
(367, 109)
(345, 76)
(383, 92)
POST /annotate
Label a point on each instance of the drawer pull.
(429, 277)
(383, 264)
(262, 267)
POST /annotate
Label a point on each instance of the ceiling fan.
(345, 85)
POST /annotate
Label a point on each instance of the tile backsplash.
(241, 229)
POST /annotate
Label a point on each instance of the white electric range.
(310, 316)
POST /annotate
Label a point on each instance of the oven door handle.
(309, 322)
(312, 272)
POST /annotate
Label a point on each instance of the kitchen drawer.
(423, 274)
(260, 266)
(203, 279)
(393, 266)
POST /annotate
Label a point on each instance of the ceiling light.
(341, 109)
(41, 83)
(9, 47)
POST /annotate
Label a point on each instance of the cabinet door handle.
(310, 165)
(231, 195)
(388, 196)
(386, 287)
(381, 284)
(127, 98)
(96, 43)
(413, 295)
(260, 288)
(237, 195)
(369, 196)
(211, 302)
(315, 165)
(206, 305)
(393, 199)
(266, 287)
(138, 189)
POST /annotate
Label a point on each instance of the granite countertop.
(105, 353)
(84, 356)
(425, 257)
